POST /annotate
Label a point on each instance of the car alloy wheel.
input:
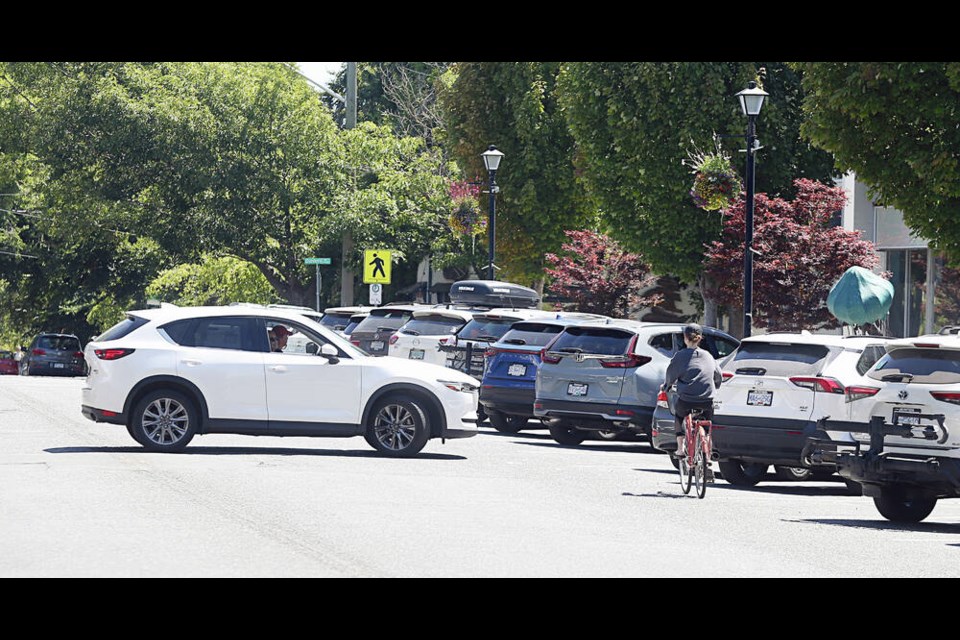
(399, 427)
(165, 421)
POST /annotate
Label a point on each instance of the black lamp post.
(751, 100)
(491, 160)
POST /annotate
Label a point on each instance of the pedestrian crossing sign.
(376, 266)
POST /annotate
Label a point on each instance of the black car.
(53, 354)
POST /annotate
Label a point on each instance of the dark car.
(374, 332)
(510, 372)
(54, 354)
(8, 364)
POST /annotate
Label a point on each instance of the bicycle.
(694, 461)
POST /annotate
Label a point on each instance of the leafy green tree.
(634, 123)
(514, 106)
(214, 281)
(236, 159)
(895, 125)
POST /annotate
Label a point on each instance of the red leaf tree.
(800, 257)
(598, 276)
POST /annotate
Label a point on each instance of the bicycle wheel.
(686, 471)
(700, 467)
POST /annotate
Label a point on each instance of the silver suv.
(605, 375)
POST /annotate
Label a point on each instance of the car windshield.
(778, 359)
(432, 326)
(391, 319)
(534, 334)
(918, 365)
(58, 343)
(489, 329)
(595, 340)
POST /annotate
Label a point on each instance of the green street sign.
(316, 260)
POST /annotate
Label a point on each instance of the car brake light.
(726, 375)
(828, 385)
(624, 412)
(39, 352)
(946, 396)
(858, 393)
(626, 362)
(394, 338)
(78, 354)
(547, 359)
(927, 345)
(112, 354)
(490, 353)
(355, 343)
(662, 400)
(448, 341)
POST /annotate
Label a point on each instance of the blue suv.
(508, 389)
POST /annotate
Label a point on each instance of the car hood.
(401, 367)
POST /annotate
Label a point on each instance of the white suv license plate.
(576, 389)
(759, 398)
(904, 417)
(416, 354)
(376, 346)
(517, 370)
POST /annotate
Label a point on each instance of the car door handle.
(278, 368)
(192, 363)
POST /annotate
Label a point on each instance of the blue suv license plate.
(517, 370)
(576, 389)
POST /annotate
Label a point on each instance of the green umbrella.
(860, 296)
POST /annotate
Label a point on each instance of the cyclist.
(697, 375)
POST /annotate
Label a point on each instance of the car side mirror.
(312, 348)
(330, 352)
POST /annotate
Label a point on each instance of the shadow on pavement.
(261, 451)
(595, 445)
(880, 525)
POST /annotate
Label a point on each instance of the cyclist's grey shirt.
(696, 373)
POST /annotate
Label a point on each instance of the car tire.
(742, 474)
(164, 421)
(25, 369)
(608, 435)
(566, 435)
(793, 474)
(894, 506)
(823, 474)
(482, 415)
(398, 426)
(506, 424)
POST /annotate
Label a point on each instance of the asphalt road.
(79, 499)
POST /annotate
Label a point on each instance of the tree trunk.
(736, 322)
(710, 318)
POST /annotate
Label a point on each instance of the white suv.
(169, 374)
(421, 337)
(906, 425)
(776, 386)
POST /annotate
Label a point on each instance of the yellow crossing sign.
(376, 266)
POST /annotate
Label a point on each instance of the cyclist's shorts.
(684, 407)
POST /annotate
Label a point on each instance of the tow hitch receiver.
(878, 428)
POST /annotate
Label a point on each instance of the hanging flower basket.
(715, 183)
(466, 218)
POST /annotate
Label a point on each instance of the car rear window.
(335, 321)
(601, 341)
(58, 343)
(534, 334)
(391, 319)
(122, 328)
(491, 329)
(433, 326)
(6, 355)
(778, 359)
(921, 365)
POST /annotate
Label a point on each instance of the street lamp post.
(491, 160)
(751, 100)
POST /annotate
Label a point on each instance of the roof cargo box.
(493, 293)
